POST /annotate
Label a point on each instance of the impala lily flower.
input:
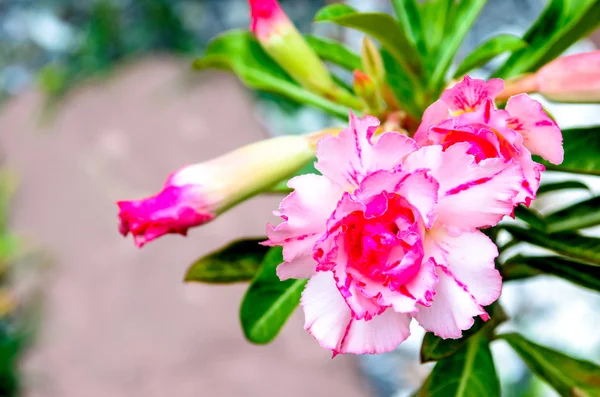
(196, 194)
(572, 78)
(466, 113)
(389, 233)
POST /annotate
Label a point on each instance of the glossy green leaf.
(400, 86)
(521, 267)
(577, 216)
(238, 261)
(557, 186)
(582, 146)
(334, 52)
(570, 244)
(560, 25)
(268, 303)
(381, 27)
(435, 348)
(581, 21)
(488, 51)
(531, 217)
(409, 19)
(461, 19)
(469, 372)
(434, 17)
(240, 52)
(569, 376)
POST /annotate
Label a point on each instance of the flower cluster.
(390, 230)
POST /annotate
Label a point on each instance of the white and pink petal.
(468, 281)
(541, 135)
(418, 187)
(348, 158)
(329, 320)
(471, 195)
(305, 212)
(469, 94)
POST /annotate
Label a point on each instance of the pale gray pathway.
(118, 321)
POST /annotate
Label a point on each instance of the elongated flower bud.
(196, 194)
(573, 78)
(366, 88)
(283, 42)
(372, 61)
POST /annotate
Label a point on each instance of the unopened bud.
(196, 194)
(572, 78)
(282, 41)
(372, 61)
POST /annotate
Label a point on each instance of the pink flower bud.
(280, 39)
(196, 194)
(268, 18)
(573, 78)
(366, 88)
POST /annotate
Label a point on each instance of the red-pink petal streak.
(468, 185)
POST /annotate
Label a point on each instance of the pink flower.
(572, 78)
(389, 233)
(466, 113)
(196, 194)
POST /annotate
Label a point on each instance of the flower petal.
(328, 319)
(173, 210)
(348, 158)
(470, 258)
(435, 114)
(469, 94)
(541, 134)
(452, 310)
(467, 281)
(417, 187)
(305, 212)
(471, 195)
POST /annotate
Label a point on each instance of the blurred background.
(98, 103)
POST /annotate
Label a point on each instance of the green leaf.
(488, 51)
(240, 52)
(461, 19)
(531, 217)
(565, 185)
(334, 52)
(582, 146)
(570, 244)
(268, 303)
(409, 18)
(435, 348)
(582, 23)
(400, 86)
(238, 261)
(560, 25)
(381, 27)
(469, 372)
(521, 267)
(570, 377)
(577, 216)
(434, 17)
